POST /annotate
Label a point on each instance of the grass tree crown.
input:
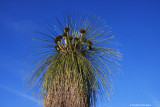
(78, 47)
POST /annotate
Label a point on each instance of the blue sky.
(135, 23)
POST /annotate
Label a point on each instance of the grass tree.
(75, 61)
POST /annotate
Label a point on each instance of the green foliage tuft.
(90, 66)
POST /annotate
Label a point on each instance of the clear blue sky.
(135, 23)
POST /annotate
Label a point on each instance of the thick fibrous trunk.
(66, 94)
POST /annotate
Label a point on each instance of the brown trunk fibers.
(67, 94)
